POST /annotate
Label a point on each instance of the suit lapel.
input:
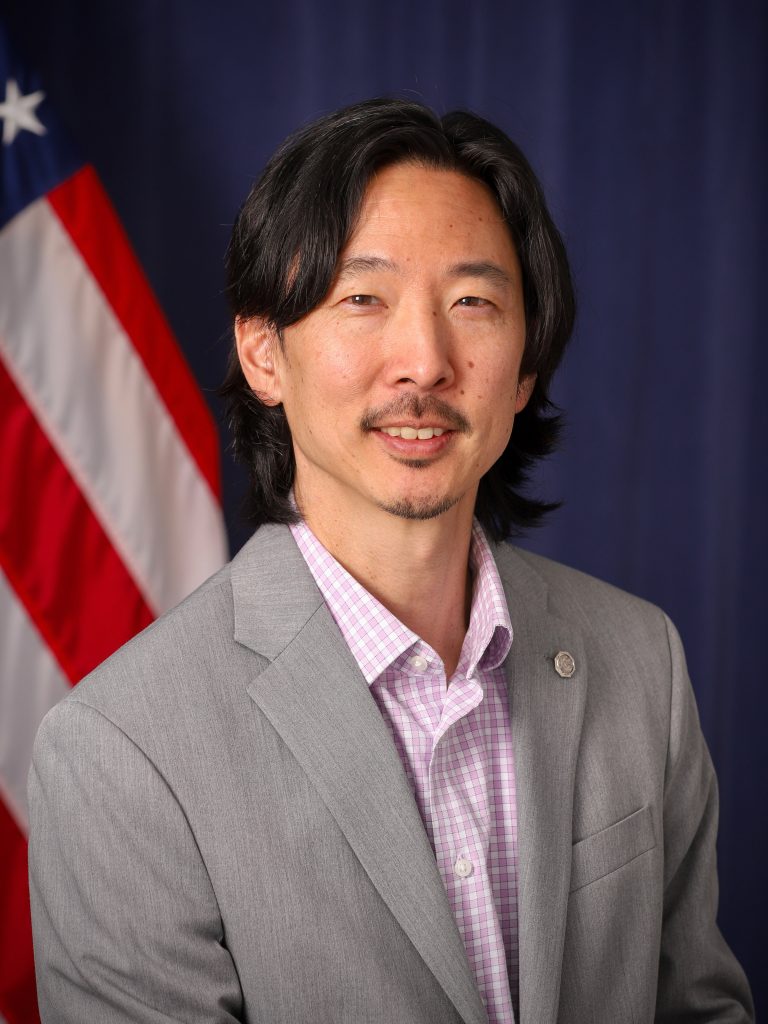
(314, 695)
(547, 712)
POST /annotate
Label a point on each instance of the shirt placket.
(460, 814)
(459, 798)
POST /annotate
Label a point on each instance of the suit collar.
(273, 592)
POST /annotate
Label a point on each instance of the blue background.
(646, 122)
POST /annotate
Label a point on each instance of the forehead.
(432, 211)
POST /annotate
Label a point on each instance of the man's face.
(400, 388)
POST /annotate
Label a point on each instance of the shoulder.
(189, 664)
(168, 678)
(569, 588)
(176, 641)
(609, 619)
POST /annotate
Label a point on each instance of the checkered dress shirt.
(455, 743)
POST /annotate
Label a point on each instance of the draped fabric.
(109, 462)
(646, 122)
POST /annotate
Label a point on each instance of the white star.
(18, 112)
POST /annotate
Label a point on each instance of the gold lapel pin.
(565, 665)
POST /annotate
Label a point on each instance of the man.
(382, 768)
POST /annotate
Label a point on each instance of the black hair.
(284, 250)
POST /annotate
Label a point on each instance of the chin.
(418, 508)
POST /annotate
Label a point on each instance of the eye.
(361, 300)
(472, 300)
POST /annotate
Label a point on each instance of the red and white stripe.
(109, 505)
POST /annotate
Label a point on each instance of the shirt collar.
(377, 638)
(489, 636)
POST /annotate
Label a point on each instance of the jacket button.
(565, 666)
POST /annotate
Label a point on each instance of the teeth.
(410, 433)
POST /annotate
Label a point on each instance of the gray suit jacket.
(221, 828)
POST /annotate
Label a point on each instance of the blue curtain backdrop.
(646, 122)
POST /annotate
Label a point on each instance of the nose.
(421, 350)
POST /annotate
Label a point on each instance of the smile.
(412, 433)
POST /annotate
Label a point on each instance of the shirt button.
(463, 867)
(416, 661)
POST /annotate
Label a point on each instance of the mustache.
(419, 407)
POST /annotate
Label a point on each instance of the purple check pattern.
(454, 739)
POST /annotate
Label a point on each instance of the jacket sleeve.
(699, 978)
(125, 921)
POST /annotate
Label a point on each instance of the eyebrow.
(482, 269)
(471, 268)
(365, 264)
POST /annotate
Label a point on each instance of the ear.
(524, 391)
(258, 349)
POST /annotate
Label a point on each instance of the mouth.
(415, 418)
(416, 429)
(414, 433)
(416, 446)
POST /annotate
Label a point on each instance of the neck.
(419, 570)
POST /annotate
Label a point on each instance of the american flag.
(109, 490)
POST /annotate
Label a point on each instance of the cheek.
(341, 361)
(344, 380)
(325, 395)
(494, 383)
(499, 408)
(504, 425)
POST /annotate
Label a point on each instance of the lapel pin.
(565, 666)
